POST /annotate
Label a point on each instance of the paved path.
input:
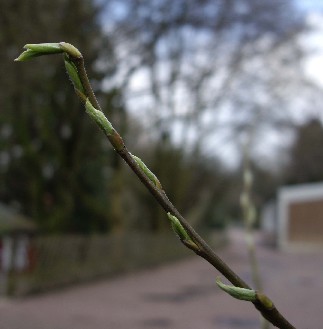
(178, 296)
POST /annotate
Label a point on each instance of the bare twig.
(249, 217)
(195, 242)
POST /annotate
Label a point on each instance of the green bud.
(73, 74)
(181, 233)
(26, 55)
(236, 292)
(35, 50)
(44, 48)
(147, 171)
(178, 228)
(99, 118)
(70, 50)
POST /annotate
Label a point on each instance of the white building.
(300, 216)
(295, 220)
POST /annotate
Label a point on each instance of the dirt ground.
(179, 296)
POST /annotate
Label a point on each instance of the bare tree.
(195, 71)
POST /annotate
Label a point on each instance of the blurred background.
(193, 87)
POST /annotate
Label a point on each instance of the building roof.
(302, 192)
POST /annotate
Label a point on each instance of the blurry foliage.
(53, 154)
(199, 60)
(265, 186)
(306, 156)
(55, 165)
(194, 58)
(192, 181)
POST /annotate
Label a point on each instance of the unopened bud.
(237, 292)
(73, 74)
(39, 49)
(152, 177)
(70, 50)
(99, 118)
(178, 227)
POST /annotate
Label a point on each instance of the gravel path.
(179, 296)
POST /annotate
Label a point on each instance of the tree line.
(166, 73)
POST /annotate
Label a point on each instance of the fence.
(64, 260)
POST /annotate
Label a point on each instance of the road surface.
(181, 295)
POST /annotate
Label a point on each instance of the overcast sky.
(311, 5)
(313, 41)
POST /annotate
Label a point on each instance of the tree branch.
(87, 96)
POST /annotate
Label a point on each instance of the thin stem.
(198, 245)
(249, 213)
(205, 251)
(79, 63)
